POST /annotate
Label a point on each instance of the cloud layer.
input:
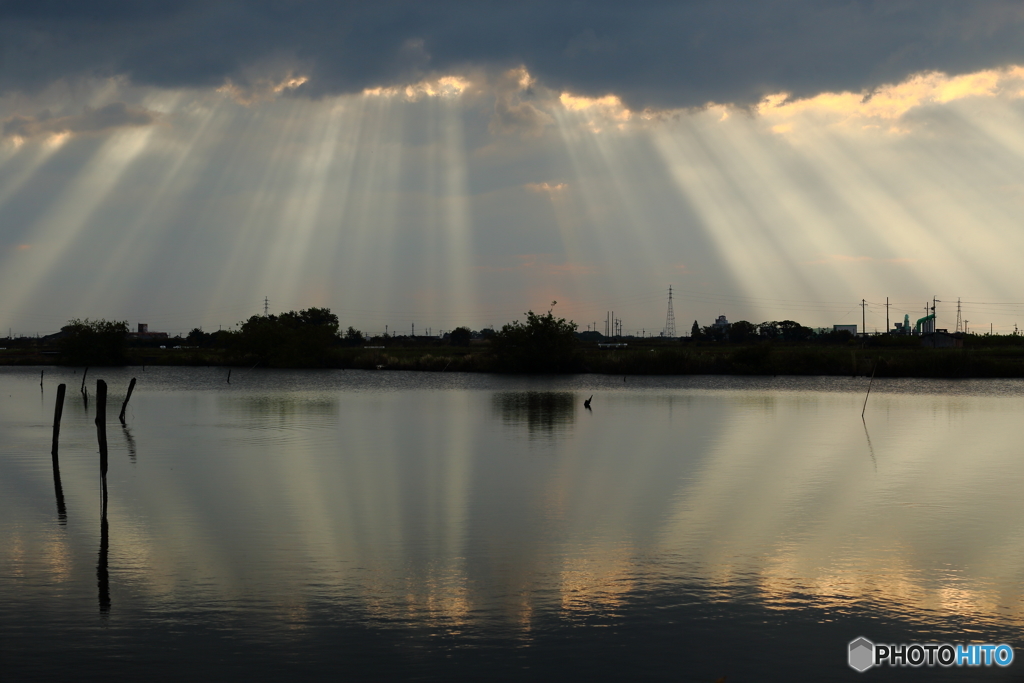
(106, 118)
(656, 54)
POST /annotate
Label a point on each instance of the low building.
(852, 329)
(145, 335)
(941, 339)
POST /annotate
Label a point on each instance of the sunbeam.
(61, 227)
(414, 204)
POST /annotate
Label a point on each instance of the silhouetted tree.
(460, 336)
(354, 337)
(742, 331)
(94, 342)
(543, 343)
(785, 330)
(291, 339)
(695, 332)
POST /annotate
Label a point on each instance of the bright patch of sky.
(468, 196)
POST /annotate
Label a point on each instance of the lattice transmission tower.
(670, 319)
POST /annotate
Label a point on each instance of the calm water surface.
(376, 525)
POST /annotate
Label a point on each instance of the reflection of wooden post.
(58, 410)
(58, 491)
(101, 430)
(124, 406)
(86, 372)
(102, 577)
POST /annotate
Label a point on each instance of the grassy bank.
(810, 360)
(640, 359)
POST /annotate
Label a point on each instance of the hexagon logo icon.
(862, 654)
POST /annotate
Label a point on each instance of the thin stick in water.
(873, 368)
(124, 406)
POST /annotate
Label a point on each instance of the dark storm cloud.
(113, 115)
(659, 54)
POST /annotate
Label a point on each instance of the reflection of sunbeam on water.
(435, 509)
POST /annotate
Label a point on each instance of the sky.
(447, 163)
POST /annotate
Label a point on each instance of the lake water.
(400, 526)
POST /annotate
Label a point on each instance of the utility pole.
(413, 330)
(887, 328)
(863, 325)
(935, 319)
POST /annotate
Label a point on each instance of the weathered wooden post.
(58, 490)
(101, 431)
(83, 378)
(229, 375)
(124, 406)
(41, 378)
(58, 410)
(101, 435)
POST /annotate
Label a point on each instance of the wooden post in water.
(58, 490)
(229, 375)
(102, 577)
(124, 406)
(58, 410)
(83, 378)
(101, 431)
(41, 378)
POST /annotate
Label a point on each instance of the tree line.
(311, 337)
(542, 342)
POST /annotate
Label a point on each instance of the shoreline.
(1006, 362)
